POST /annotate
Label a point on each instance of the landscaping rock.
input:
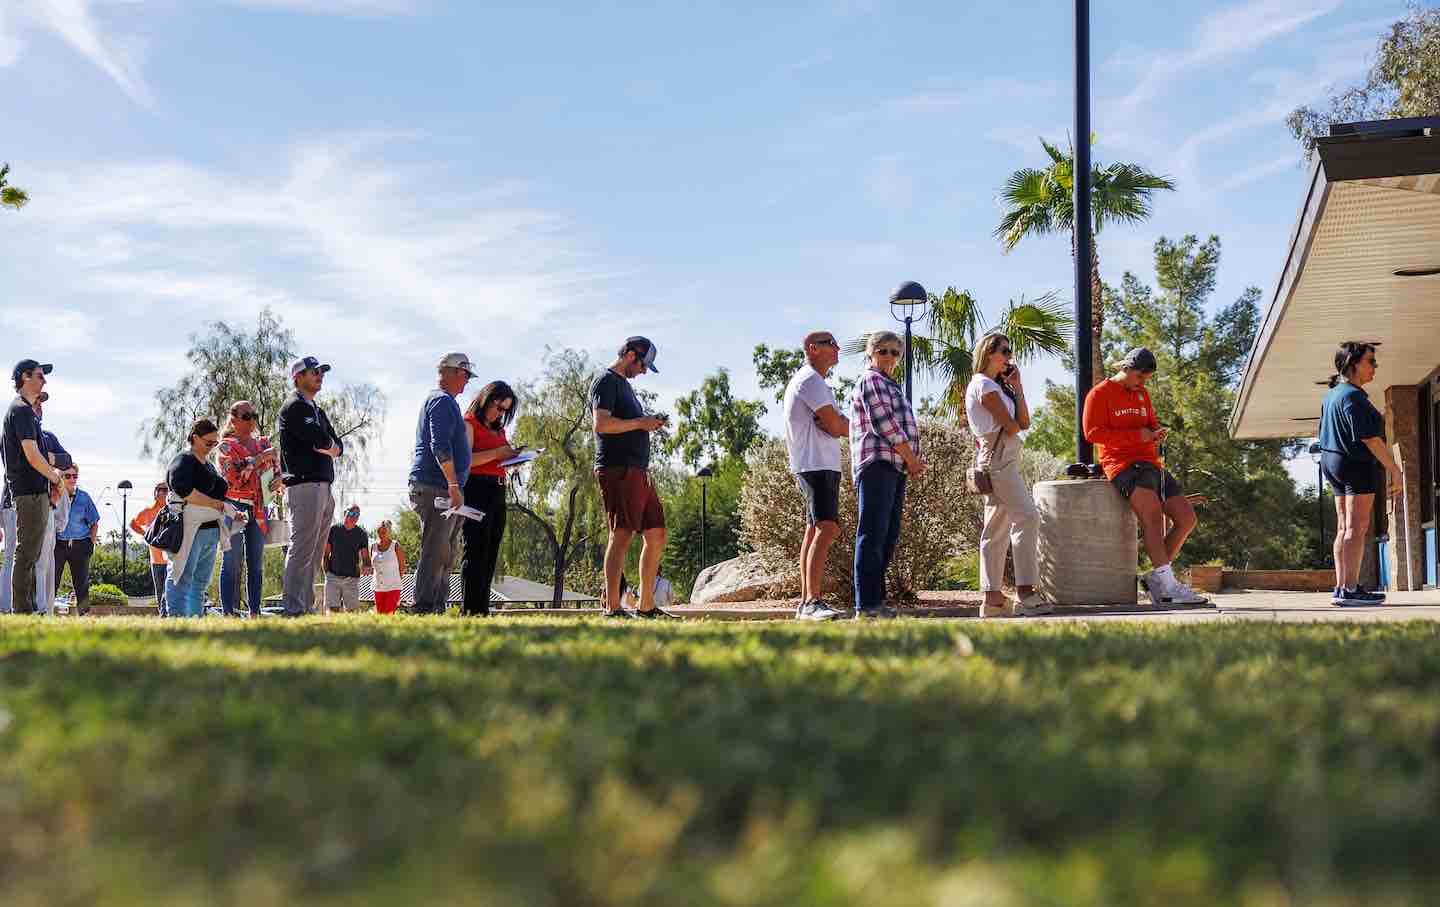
(740, 579)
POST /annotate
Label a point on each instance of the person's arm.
(201, 499)
(831, 422)
(292, 422)
(365, 566)
(996, 407)
(399, 555)
(336, 444)
(94, 513)
(1096, 423)
(325, 557)
(37, 460)
(1017, 387)
(875, 397)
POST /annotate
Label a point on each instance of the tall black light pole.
(908, 302)
(124, 487)
(704, 475)
(1084, 228)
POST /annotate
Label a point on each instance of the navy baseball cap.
(644, 349)
(1140, 359)
(28, 365)
(306, 362)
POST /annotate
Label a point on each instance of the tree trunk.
(1097, 319)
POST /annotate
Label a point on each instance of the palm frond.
(12, 197)
(954, 317)
(1040, 326)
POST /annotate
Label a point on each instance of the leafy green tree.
(774, 369)
(229, 363)
(954, 323)
(1039, 202)
(1404, 81)
(11, 196)
(1252, 517)
(714, 425)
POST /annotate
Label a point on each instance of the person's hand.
(366, 570)
(651, 423)
(1197, 500)
(1012, 380)
(56, 477)
(1157, 435)
(1397, 482)
(915, 467)
(332, 451)
(457, 497)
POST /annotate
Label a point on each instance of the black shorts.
(822, 495)
(1347, 476)
(1146, 475)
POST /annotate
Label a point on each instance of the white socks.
(1164, 573)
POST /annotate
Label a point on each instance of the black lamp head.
(907, 298)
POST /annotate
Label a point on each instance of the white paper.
(468, 512)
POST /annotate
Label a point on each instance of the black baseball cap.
(28, 365)
(1140, 359)
(644, 349)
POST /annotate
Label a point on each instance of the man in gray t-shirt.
(813, 429)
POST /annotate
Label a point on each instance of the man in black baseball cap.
(28, 475)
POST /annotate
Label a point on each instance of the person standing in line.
(485, 420)
(309, 447)
(7, 534)
(244, 456)
(45, 579)
(813, 429)
(141, 522)
(884, 456)
(29, 475)
(1352, 441)
(347, 557)
(75, 544)
(199, 485)
(996, 408)
(389, 564)
(622, 464)
(1120, 420)
(442, 461)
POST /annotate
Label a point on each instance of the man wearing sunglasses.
(75, 544)
(813, 429)
(309, 447)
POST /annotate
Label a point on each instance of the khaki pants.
(1011, 520)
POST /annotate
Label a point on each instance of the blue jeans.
(185, 588)
(881, 490)
(7, 571)
(157, 577)
(250, 542)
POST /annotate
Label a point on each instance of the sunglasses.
(1005, 351)
(1373, 363)
(887, 352)
(828, 341)
(246, 417)
(209, 444)
(71, 475)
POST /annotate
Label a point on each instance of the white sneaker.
(1181, 594)
(996, 610)
(1033, 605)
(1171, 592)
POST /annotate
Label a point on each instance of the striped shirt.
(880, 418)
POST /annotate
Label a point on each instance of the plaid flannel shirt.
(880, 418)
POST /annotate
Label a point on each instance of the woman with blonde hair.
(996, 407)
(884, 456)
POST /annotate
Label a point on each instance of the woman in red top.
(485, 421)
(244, 458)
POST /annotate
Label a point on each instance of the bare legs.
(1352, 519)
(650, 551)
(653, 545)
(1162, 546)
(813, 552)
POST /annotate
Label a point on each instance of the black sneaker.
(1357, 598)
(882, 612)
(1375, 595)
(815, 610)
(619, 613)
(657, 613)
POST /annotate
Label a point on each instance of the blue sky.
(398, 179)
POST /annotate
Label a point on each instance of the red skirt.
(387, 602)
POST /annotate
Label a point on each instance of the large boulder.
(740, 579)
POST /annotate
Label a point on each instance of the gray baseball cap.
(1140, 359)
(457, 360)
(644, 349)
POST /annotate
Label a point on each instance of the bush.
(106, 589)
(941, 521)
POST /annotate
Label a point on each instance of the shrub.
(941, 521)
(106, 589)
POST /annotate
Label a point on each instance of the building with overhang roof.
(1363, 264)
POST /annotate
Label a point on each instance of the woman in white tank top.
(389, 563)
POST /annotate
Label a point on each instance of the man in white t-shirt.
(813, 429)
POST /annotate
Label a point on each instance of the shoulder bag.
(167, 531)
(977, 480)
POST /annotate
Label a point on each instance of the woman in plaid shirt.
(884, 455)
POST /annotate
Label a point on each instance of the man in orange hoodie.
(1120, 421)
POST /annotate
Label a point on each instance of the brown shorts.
(630, 499)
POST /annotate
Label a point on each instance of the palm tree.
(953, 323)
(1039, 202)
(11, 196)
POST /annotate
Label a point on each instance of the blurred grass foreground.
(569, 762)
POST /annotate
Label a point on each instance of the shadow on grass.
(547, 762)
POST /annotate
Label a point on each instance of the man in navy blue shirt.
(308, 449)
(442, 460)
(28, 475)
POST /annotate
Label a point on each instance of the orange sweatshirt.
(1113, 419)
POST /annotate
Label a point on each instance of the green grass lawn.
(566, 762)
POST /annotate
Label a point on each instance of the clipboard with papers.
(464, 510)
(522, 458)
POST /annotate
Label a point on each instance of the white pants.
(1011, 519)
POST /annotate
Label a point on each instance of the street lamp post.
(124, 487)
(1084, 231)
(908, 302)
(704, 475)
(1315, 456)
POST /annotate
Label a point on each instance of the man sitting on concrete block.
(1120, 421)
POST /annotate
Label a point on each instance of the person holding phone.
(485, 420)
(1120, 421)
(622, 463)
(997, 410)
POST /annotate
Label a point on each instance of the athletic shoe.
(1171, 592)
(880, 612)
(815, 610)
(1376, 595)
(1337, 596)
(1357, 598)
(1155, 587)
(996, 610)
(656, 613)
(620, 613)
(1033, 605)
